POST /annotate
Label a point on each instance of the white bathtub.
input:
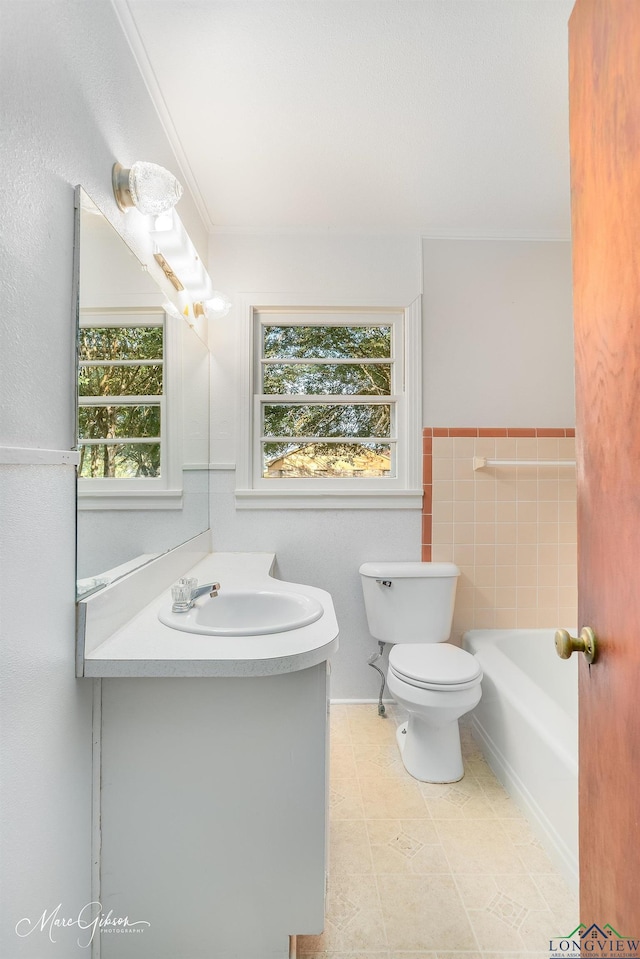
(527, 726)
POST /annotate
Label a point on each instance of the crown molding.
(140, 55)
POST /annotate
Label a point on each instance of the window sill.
(329, 499)
(129, 499)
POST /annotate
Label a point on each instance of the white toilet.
(411, 606)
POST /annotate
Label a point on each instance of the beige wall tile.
(548, 575)
(484, 554)
(442, 491)
(441, 469)
(485, 490)
(547, 617)
(567, 576)
(512, 530)
(506, 597)
(526, 448)
(527, 489)
(527, 511)
(485, 575)
(506, 554)
(567, 554)
(485, 618)
(463, 447)
(442, 446)
(485, 511)
(442, 553)
(549, 554)
(506, 511)
(548, 448)
(464, 511)
(506, 576)
(506, 533)
(567, 511)
(548, 511)
(463, 555)
(464, 490)
(441, 533)
(526, 618)
(485, 446)
(548, 490)
(463, 533)
(463, 468)
(485, 533)
(485, 597)
(526, 554)
(443, 511)
(506, 619)
(506, 448)
(548, 532)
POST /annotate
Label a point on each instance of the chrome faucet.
(211, 588)
(186, 591)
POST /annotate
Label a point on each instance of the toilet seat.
(434, 666)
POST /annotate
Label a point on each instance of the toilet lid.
(437, 663)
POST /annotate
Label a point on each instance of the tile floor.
(422, 871)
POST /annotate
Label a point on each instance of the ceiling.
(444, 116)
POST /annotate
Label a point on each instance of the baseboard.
(539, 822)
(361, 702)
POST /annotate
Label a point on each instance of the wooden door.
(604, 45)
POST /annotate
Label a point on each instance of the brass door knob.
(586, 643)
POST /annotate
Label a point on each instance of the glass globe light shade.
(154, 190)
(217, 306)
(147, 186)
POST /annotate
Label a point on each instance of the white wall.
(320, 547)
(72, 103)
(498, 351)
(498, 333)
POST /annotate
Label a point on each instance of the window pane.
(280, 461)
(120, 343)
(99, 422)
(360, 420)
(126, 461)
(344, 378)
(120, 381)
(357, 342)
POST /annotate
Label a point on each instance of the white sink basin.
(237, 612)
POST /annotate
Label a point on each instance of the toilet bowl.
(410, 605)
(436, 686)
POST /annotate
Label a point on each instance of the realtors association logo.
(595, 940)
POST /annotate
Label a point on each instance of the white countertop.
(143, 646)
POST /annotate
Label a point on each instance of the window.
(123, 434)
(336, 408)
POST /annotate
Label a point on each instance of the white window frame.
(400, 491)
(164, 491)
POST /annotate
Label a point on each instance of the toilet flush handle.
(384, 582)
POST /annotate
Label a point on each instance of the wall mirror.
(142, 411)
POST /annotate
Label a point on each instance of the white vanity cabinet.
(213, 814)
(210, 773)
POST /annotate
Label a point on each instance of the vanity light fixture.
(147, 186)
(215, 307)
(168, 272)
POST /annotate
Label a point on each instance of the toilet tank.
(418, 605)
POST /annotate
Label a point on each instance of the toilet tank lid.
(408, 570)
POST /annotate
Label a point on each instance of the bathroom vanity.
(212, 775)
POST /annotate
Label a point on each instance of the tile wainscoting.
(510, 529)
